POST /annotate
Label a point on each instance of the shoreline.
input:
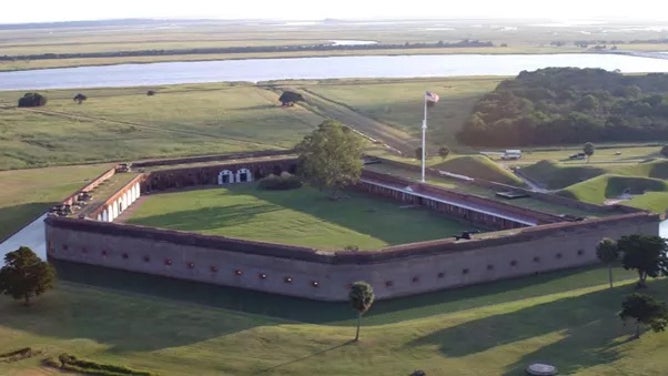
(262, 56)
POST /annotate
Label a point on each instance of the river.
(254, 70)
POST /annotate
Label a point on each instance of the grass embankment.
(553, 175)
(645, 182)
(610, 186)
(125, 124)
(25, 194)
(567, 319)
(479, 167)
(304, 217)
(400, 103)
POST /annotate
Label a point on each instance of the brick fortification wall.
(296, 271)
(90, 186)
(177, 178)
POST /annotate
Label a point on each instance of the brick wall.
(303, 272)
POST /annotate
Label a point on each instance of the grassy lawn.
(122, 124)
(400, 102)
(304, 217)
(175, 328)
(25, 194)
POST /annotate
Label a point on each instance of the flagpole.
(424, 136)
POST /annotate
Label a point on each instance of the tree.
(664, 150)
(645, 310)
(607, 252)
(361, 297)
(418, 153)
(32, 100)
(443, 152)
(25, 275)
(588, 149)
(330, 157)
(288, 98)
(79, 98)
(644, 253)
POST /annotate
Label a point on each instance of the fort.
(518, 240)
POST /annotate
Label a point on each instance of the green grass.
(304, 217)
(609, 186)
(566, 318)
(553, 175)
(605, 154)
(458, 186)
(125, 124)
(25, 194)
(479, 167)
(400, 104)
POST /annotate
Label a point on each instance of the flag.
(431, 97)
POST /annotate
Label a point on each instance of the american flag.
(431, 97)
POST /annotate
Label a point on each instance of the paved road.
(31, 236)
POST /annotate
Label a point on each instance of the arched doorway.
(244, 175)
(225, 177)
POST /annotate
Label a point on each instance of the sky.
(71, 10)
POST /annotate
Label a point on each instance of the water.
(349, 42)
(254, 70)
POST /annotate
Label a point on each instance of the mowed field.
(305, 217)
(178, 328)
(126, 124)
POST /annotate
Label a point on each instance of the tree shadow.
(366, 214)
(331, 313)
(139, 312)
(309, 356)
(587, 324)
(659, 170)
(370, 215)
(210, 218)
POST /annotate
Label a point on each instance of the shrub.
(72, 363)
(664, 150)
(280, 183)
(23, 351)
(32, 100)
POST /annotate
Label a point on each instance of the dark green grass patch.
(302, 216)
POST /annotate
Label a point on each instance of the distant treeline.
(249, 49)
(569, 105)
(602, 42)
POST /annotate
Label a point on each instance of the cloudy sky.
(67, 10)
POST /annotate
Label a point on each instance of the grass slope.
(553, 175)
(400, 103)
(25, 194)
(124, 123)
(600, 188)
(479, 167)
(566, 318)
(304, 217)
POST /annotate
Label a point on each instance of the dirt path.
(394, 139)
